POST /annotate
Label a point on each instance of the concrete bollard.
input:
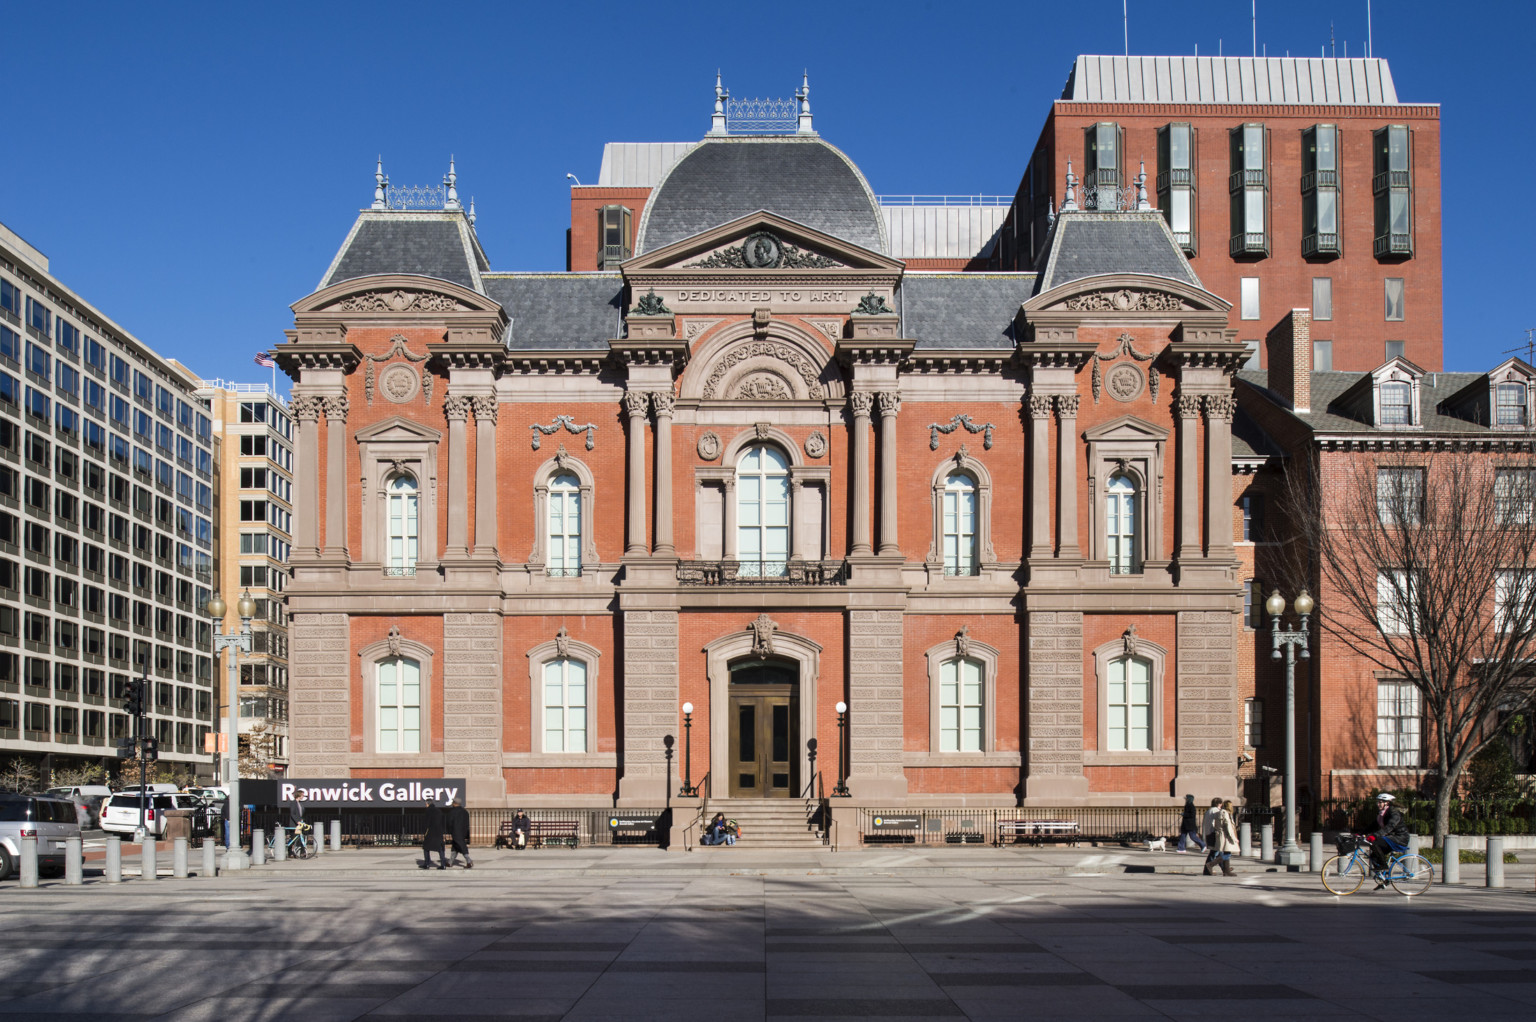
(1245, 840)
(1267, 842)
(335, 835)
(319, 839)
(114, 859)
(258, 847)
(179, 858)
(29, 861)
(1495, 874)
(149, 867)
(1450, 868)
(74, 870)
(1414, 844)
(210, 859)
(279, 843)
(1315, 854)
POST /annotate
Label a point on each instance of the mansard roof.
(962, 310)
(558, 311)
(1091, 244)
(430, 243)
(803, 179)
(1333, 411)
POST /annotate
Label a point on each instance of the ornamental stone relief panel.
(756, 359)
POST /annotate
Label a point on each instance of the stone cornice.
(554, 363)
(1225, 355)
(641, 351)
(873, 350)
(1058, 355)
(467, 354)
(959, 361)
(296, 356)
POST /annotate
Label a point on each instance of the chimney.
(1289, 346)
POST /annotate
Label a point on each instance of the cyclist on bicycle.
(296, 819)
(1390, 836)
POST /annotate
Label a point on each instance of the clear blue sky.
(191, 169)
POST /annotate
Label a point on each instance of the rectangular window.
(1395, 349)
(614, 223)
(39, 317)
(10, 297)
(1249, 187)
(1396, 404)
(1400, 496)
(1253, 723)
(1393, 188)
(1253, 517)
(1394, 299)
(1322, 298)
(565, 706)
(10, 345)
(1322, 356)
(1397, 724)
(1250, 297)
(1129, 705)
(1513, 493)
(1509, 403)
(1320, 191)
(67, 337)
(95, 354)
(1514, 600)
(1102, 179)
(1253, 604)
(1176, 181)
(39, 362)
(1396, 613)
(960, 706)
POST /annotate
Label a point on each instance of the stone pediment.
(1127, 293)
(760, 242)
(397, 429)
(1126, 427)
(396, 295)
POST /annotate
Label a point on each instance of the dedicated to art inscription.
(743, 294)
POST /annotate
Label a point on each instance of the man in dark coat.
(1389, 832)
(458, 833)
(432, 837)
(1189, 825)
(522, 829)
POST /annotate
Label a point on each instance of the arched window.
(962, 710)
(1122, 534)
(762, 512)
(404, 501)
(565, 706)
(1128, 705)
(399, 705)
(564, 540)
(960, 524)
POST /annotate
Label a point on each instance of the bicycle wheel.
(1343, 874)
(1412, 874)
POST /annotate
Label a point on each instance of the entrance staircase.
(767, 822)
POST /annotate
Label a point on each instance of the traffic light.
(127, 748)
(133, 698)
(151, 749)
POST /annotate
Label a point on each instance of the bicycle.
(296, 840)
(1344, 873)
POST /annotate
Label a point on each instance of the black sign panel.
(646, 823)
(884, 822)
(354, 792)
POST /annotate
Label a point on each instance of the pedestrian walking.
(1189, 825)
(432, 837)
(1223, 839)
(458, 834)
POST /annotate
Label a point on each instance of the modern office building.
(106, 529)
(254, 497)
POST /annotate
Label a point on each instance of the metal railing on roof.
(944, 200)
(241, 388)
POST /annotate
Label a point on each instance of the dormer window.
(1509, 404)
(1396, 405)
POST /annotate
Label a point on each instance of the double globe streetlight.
(1291, 638)
(236, 643)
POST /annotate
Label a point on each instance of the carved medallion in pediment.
(764, 386)
(768, 369)
(397, 300)
(1125, 300)
(763, 250)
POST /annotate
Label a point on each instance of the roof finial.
(804, 96)
(1050, 212)
(1069, 201)
(380, 182)
(1142, 205)
(471, 211)
(451, 182)
(717, 121)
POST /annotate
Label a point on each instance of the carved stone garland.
(1125, 347)
(397, 301)
(397, 349)
(773, 349)
(1125, 300)
(935, 428)
(570, 426)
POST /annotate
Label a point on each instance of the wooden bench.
(541, 833)
(1037, 830)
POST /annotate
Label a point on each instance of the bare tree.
(258, 748)
(89, 773)
(19, 774)
(1425, 561)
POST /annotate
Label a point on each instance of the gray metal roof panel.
(962, 310)
(1340, 81)
(803, 179)
(433, 245)
(1084, 244)
(559, 311)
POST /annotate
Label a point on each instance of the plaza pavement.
(633, 933)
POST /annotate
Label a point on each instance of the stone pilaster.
(1039, 476)
(320, 668)
(1055, 709)
(306, 491)
(1218, 486)
(1187, 409)
(1207, 704)
(661, 403)
(890, 404)
(875, 706)
(861, 403)
(336, 477)
(485, 476)
(650, 706)
(1067, 459)
(634, 459)
(471, 684)
(456, 408)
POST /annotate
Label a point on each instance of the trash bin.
(178, 823)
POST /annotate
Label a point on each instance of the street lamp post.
(841, 791)
(1291, 639)
(687, 790)
(236, 643)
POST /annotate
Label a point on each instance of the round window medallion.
(399, 384)
(1124, 382)
(709, 447)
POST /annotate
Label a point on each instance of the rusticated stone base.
(649, 683)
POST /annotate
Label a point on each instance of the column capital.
(635, 403)
(485, 408)
(662, 402)
(1219, 406)
(861, 401)
(1040, 406)
(456, 407)
(890, 403)
(1187, 406)
(336, 408)
(1066, 406)
(306, 407)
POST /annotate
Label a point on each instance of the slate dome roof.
(803, 179)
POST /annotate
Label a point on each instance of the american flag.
(265, 360)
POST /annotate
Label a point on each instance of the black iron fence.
(1468, 815)
(1095, 824)
(384, 828)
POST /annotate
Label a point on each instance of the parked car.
(120, 813)
(51, 820)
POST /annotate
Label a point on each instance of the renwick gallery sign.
(355, 793)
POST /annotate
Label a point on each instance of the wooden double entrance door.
(764, 729)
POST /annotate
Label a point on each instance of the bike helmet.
(1385, 797)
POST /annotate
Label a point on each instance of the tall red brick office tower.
(763, 466)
